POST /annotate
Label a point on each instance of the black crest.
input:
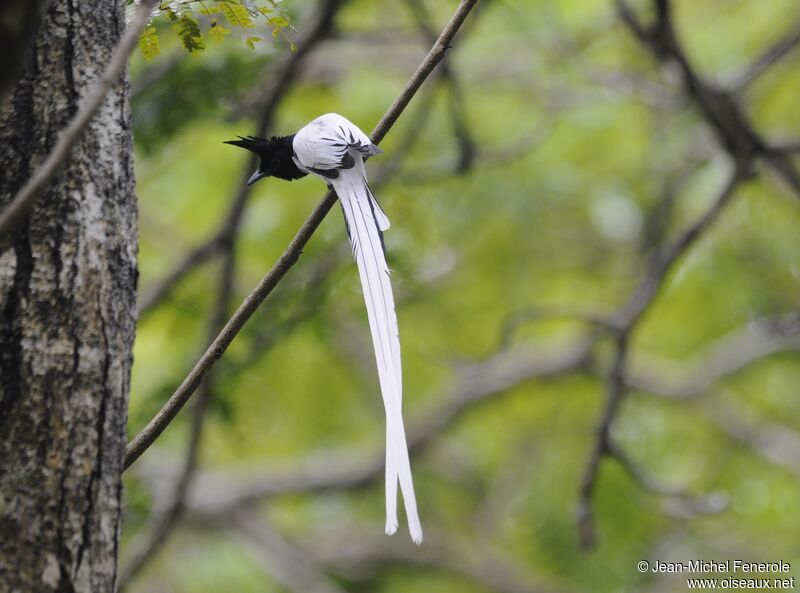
(275, 156)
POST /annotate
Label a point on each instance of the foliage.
(193, 90)
(190, 17)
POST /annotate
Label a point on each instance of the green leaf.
(251, 42)
(188, 31)
(209, 11)
(149, 44)
(279, 22)
(218, 32)
(237, 15)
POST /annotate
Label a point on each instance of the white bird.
(334, 149)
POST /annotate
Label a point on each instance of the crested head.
(274, 154)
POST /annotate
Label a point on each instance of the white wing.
(325, 146)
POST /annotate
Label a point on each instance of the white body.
(334, 149)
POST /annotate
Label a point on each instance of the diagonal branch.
(776, 443)
(156, 426)
(664, 258)
(160, 290)
(774, 53)
(677, 502)
(725, 357)
(615, 392)
(20, 205)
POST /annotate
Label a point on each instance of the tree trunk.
(67, 314)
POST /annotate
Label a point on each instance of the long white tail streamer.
(365, 220)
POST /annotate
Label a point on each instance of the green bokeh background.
(578, 135)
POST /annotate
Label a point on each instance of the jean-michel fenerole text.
(724, 566)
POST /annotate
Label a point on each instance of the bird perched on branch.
(334, 149)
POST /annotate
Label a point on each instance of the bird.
(334, 149)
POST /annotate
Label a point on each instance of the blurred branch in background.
(677, 502)
(466, 146)
(726, 356)
(774, 53)
(776, 443)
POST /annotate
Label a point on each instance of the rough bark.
(67, 314)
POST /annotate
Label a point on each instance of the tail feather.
(365, 220)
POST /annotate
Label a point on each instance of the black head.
(275, 157)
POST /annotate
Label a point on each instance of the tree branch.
(665, 257)
(777, 443)
(725, 357)
(156, 426)
(160, 290)
(615, 391)
(774, 53)
(21, 204)
(677, 502)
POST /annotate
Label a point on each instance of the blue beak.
(255, 177)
